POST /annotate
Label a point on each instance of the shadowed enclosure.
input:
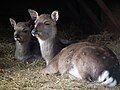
(95, 21)
(86, 17)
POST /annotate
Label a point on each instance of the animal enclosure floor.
(16, 75)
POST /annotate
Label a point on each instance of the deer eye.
(47, 23)
(24, 30)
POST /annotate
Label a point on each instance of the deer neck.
(22, 51)
(48, 47)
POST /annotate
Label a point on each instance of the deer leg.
(86, 77)
(51, 68)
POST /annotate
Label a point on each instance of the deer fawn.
(86, 61)
(45, 30)
(27, 47)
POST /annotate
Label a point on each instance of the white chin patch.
(17, 39)
(33, 34)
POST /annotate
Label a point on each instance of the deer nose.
(16, 36)
(34, 31)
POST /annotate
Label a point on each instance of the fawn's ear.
(30, 23)
(12, 21)
(55, 15)
(33, 14)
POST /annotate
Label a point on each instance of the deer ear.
(12, 21)
(33, 14)
(55, 15)
(30, 23)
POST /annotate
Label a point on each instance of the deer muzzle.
(16, 37)
(34, 32)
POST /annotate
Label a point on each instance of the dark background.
(18, 9)
(70, 11)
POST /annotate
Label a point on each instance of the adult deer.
(84, 60)
(45, 30)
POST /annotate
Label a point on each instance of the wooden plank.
(90, 14)
(72, 8)
(108, 12)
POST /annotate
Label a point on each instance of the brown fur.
(27, 47)
(45, 30)
(90, 59)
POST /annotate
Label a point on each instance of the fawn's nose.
(16, 36)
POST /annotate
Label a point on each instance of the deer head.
(22, 31)
(45, 24)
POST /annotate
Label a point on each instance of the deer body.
(27, 46)
(86, 61)
(45, 30)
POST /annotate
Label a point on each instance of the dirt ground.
(16, 75)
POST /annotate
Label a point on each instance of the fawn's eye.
(24, 30)
(47, 23)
